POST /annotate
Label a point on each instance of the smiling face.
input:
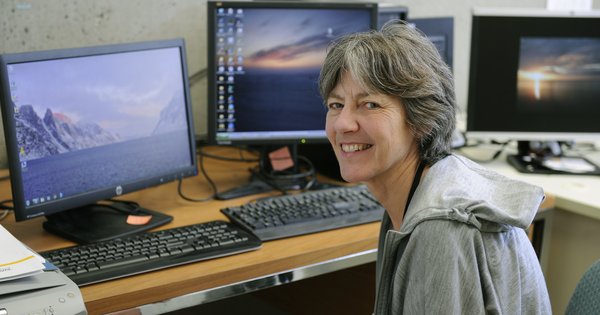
(368, 132)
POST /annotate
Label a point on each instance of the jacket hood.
(456, 188)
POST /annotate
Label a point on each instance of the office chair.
(586, 297)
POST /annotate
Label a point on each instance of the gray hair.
(400, 61)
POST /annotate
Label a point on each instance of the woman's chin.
(353, 176)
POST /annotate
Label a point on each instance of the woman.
(452, 239)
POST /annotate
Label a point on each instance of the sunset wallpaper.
(558, 73)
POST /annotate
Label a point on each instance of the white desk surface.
(575, 193)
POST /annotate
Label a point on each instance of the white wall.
(42, 24)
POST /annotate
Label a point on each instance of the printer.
(47, 293)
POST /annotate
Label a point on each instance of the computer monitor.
(87, 124)
(535, 77)
(440, 30)
(390, 12)
(264, 60)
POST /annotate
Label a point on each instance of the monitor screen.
(534, 76)
(86, 124)
(264, 60)
(390, 12)
(440, 30)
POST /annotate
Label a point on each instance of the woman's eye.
(371, 105)
(334, 106)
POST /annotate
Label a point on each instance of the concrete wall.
(51, 24)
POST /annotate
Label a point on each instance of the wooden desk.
(294, 258)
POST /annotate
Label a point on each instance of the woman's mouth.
(349, 148)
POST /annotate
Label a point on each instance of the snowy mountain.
(172, 117)
(56, 133)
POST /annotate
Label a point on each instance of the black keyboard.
(307, 212)
(97, 262)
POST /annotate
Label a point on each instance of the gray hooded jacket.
(462, 248)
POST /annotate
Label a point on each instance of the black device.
(264, 60)
(307, 212)
(87, 124)
(135, 254)
(534, 78)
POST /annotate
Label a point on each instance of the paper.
(16, 260)
(138, 219)
(569, 164)
(281, 159)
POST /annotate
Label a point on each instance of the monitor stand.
(266, 179)
(547, 158)
(100, 222)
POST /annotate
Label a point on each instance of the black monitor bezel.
(211, 62)
(20, 210)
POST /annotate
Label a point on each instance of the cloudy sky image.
(288, 39)
(560, 58)
(123, 93)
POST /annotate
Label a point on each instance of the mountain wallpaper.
(56, 133)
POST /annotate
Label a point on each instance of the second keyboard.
(144, 252)
(307, 212)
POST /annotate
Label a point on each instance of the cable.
(213, 186)
(196, 77)
(272, 178)
(6, 209)
(494, 156)
(208, 179)
(224, 158)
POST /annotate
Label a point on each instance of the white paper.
(569, 5)
(16, 260)
(569, 164)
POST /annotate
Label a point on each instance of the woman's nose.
(346, 121)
